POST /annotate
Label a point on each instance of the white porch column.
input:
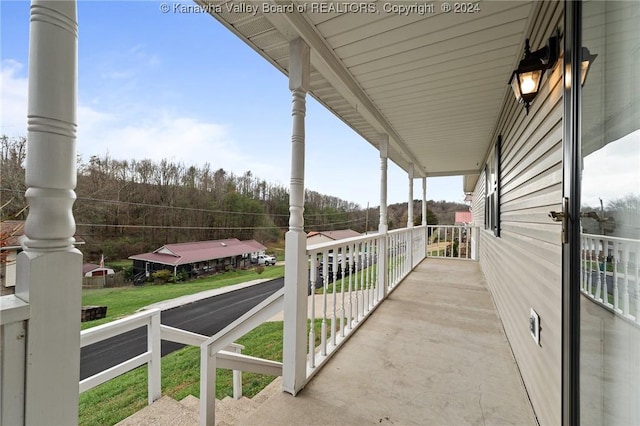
(49, 270)
(410, 203)
(296, 281)
(410, 218)
(424, 201)
(424, 218)
(383, 226)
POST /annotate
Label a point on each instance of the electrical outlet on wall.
(534, 326)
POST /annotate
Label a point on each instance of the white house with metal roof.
(195, 258)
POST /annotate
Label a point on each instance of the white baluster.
(371, 273)
(453, 230)
(589, 266)
(598, 294)
(363, 279)
(345, 272)
(376, 275)
(625, 283)
(313, 274)
(583, 265)
(356, 275)
(325, 285)
(605, 285)
(615, 262)
(334, 318)
(352, 249)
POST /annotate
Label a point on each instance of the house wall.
(8, 269)
(523, 267)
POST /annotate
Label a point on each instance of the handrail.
(247, 322)
(152, 356)
(114, 328)
(210, 348)
(14, 313)
(13, 309)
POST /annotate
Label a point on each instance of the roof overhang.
(435, 83)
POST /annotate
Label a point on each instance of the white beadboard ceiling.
(435, 83)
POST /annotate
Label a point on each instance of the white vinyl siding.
(523, 267)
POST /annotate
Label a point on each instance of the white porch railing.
(212, 356)
(227, 355)
(610, 273)
(453, 241)
(149, 319)
(345, 285)
(14, 314)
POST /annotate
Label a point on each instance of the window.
(492, 189)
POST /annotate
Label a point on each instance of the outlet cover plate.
(534, 326)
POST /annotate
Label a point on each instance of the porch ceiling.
(434, 82)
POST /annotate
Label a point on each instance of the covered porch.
(433, 353)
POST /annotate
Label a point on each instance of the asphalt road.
(206, 316)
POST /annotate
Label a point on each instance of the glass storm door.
(609, 187)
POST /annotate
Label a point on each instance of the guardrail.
(453, 241)
(230, 356)
(149, 319)
(212, 355)
(610, 270)
(14, 315)
(348, 279)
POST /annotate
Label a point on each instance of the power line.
(217, 228)
(102, 200)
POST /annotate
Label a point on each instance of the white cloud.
(13, 102)
(612, 172)
(155, 134)
(160, 135)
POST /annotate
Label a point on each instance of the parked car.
(264, 259)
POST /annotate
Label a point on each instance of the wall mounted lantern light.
(525, 81)
(586, 61)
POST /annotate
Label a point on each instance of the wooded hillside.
(126, 207)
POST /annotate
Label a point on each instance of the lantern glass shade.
(525, 84)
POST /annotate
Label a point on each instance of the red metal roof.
(200, 251)
(336, 235)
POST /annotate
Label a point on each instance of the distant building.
(196, 258)
(317, 237)
(10, 233)
(93, 270)
(463, 218)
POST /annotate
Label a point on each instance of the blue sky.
(182, 87)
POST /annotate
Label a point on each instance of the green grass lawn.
(122, 301)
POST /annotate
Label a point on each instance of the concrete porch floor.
(434, 353)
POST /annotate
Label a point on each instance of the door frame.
(571, 159)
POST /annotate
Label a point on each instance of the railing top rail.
(605, 237)
(319, 247)
(452, 226)
(398, 231)
(247, 322)
(13, 309)
(114, 328)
